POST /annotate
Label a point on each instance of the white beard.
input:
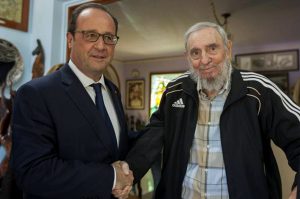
(212, 84)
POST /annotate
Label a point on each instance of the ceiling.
(150, 29)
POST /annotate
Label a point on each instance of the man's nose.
(99, 44)
(205, 58)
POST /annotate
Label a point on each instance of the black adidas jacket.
(255, 112)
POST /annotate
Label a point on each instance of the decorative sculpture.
(38, 65)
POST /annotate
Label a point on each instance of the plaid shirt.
(205, 176)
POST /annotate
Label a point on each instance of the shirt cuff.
(114, 178)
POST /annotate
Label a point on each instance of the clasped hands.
(124, 180)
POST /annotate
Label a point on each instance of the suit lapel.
(84, 103)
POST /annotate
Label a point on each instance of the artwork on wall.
(14, 14)
(287, 60)
(281, 80)
(135, 94)
(158, 83)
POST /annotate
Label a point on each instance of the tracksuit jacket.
(256, 111)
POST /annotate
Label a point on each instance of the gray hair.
(203, 25)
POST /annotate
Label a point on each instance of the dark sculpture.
(38, 65)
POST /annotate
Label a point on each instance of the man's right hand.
(124, 180)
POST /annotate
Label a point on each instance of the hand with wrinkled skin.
(122, 193)
(124, 180)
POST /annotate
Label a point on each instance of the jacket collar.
(190, 86)
(238, 88)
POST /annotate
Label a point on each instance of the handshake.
(124, 180)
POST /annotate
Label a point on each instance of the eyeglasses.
(93, 36)
(196, 53)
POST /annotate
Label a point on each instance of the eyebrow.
(213, 45)
(89, 30)
(209, 45)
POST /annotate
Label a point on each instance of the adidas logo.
(178, 104)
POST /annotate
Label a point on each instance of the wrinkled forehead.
(203, 38)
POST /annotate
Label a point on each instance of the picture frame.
(135, 94)
(158, 84)
(285, 60)
(14, 14)
(280, 79)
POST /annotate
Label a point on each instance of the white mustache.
(206, 67)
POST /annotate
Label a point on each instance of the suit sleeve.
(35, 161)
(148, 146)
(283, 121)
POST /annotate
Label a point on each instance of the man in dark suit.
(63, 146)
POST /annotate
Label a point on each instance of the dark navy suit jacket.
(61, 146)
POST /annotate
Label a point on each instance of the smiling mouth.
(98, 57)
(206, 69)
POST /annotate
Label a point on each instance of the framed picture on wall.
(286, 60)
(280, 79)
(135, 94)
(14, 14)
(158, 83)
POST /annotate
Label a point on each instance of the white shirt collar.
(85, 80)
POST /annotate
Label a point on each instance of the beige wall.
(287, 174)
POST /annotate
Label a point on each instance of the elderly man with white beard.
(214, 126)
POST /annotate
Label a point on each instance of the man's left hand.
(293, 194)
(122, 192)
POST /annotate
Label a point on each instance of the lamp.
(225, 16)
